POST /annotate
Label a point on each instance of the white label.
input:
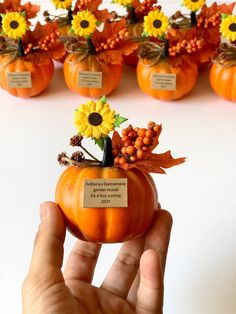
(164, 81)
(90, 79)
(19, 80)
(105, 193)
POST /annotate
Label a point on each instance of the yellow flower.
(62, 4)
(228, 27)
(155, 23)
(123, 2)
(84, 23)
(193, 5)
(14, 25)
(94, 119)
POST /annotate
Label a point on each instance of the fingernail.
(43, 211)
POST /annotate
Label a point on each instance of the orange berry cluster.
(45, 44)
(145, 7)
(114, 41)
(82, 5)
(188, 46)
(213, 20)
(137, 143)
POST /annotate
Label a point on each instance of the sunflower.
(228, 27)
(155, 23)
(94, 119)
(193, 5)
(62, 4)
(84, 23)
(123, 2)
(14, 25)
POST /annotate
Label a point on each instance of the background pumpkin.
(111, 74)
(223, 81)
(106, 225)
(40, 65)
(186, 77)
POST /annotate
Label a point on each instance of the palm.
(134, 283)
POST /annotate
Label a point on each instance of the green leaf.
(145, 34)
(103, 100)
(119, 120)
(224, 16)
(99, 142)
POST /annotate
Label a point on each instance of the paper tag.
(90, 79)
(164, 81)
(19, 80)
(105, 193)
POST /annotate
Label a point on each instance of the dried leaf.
(116, 141)
(30, 10)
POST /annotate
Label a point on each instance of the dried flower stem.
(87, 152)
(86, 162)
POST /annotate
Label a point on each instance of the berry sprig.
(46, 44)
(83, 4)
(113, 41)
(189, 46)
(212, 21)
(137, 143)
(145, 7)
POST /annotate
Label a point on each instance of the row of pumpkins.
(181, 79)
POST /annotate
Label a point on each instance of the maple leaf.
(116, 141)
(30, 10)
(92, 6)
(207, 12)
(155, 163)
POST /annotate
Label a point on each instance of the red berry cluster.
(137, 143)
(145, 7)
(114, 41)
(45, 44)
(213, 20)
(83, 4)
(188, 46)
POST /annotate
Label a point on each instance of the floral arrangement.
(132, 149)
(199, 33)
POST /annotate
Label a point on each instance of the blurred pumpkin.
(39, 65)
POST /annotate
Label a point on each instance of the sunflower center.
(157, 23)
(194, 1)
(14, 24)
(232, 27)
(84, 24)
(95, 118)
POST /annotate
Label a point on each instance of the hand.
(134, 283)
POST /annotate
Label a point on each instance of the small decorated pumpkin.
(223, 80)
(112, 200)
(93, 67)
(33, 71)
(223, 70)
(135, 31)
(91, 77)
(167, 79)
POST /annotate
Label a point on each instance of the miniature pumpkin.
(185, 71)
(39, 65)
(222, 81)
(74, 64)
(107, 224)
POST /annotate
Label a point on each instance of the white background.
(201, 267)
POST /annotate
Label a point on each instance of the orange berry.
(149, 133)
(116, 160)
(125, 138)
(140, 154)
(141, 132)
(151, 124)
(138, 143)
(147, 140)
(133, 158)
(123, 150)
(122, 160)
(130, 150)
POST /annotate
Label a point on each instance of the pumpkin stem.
(193, 18)
(132, 15)
(91, 47)
(108, 159)
(165, 51)
(20, 49)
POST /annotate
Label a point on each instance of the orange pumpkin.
(186, 76)
(135, 30)
(75, 63)
(110, 224)
(39, 65)
(223, 81)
